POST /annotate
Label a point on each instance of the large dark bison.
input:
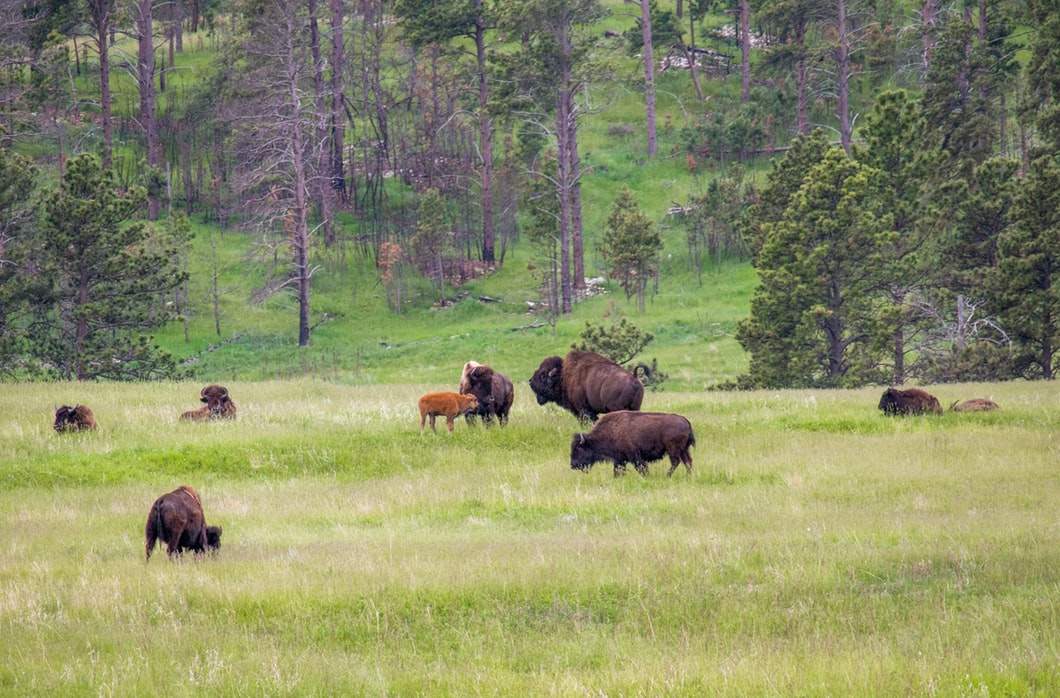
(78, 418)
(586, 384)
(177, 520)
(637, 438)
(913, 401)
(493, 391)
(218, 405)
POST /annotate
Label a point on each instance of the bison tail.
(153, 530)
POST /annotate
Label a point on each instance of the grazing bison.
(465, 382)
(913, 401)
(978, 404)
(218, 405)
(586, 384)
(177, 520)
(637, 438)
(448, 405)
(78, 418)
(493, 391)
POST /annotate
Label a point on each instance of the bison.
(978, 404)
(913, 401)
(78, 418)
(493, 391)
(177, 520)
(218, 405)
(587, 385)
(637, 438)
(448, 405)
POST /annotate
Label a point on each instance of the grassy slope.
(818, 548)
(693, 324)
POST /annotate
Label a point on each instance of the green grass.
(819, 548)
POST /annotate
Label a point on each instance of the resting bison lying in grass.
(448, 405)
(493, 391)
(177, 520)
(218, 405)
(78, 418)
(586, 384)
(913, 401)
(978, 404)
(637, 438)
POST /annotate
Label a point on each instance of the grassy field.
(818, 549)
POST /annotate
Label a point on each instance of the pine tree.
(631, 247)
(433, 238)
(107, 279)
(16, 187)
(812, 314)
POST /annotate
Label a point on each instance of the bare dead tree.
(649, 73)
(321, 188)
(101, 17)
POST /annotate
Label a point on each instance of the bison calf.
(637, 438)
(78, 418)
(448, 405)
(177, 520)
(978, 404)
(913, 401)
(218, 405)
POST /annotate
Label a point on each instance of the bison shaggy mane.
(586, 384)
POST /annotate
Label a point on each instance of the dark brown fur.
(586, 384)
(979, 404)
(218, 405)
(904, 402)
(177, 520)
(637, 438)
(78, 418)
(493, 391)
(448, 405)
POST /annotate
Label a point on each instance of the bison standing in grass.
(448, 405)
(493, 391)
(218, 405)
(587, 385)
(177, 520)
(904, 402)
(637, 438)
(78, 418)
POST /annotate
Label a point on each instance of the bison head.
(889, 401)
(216, 397)
(65, 416)
(468, 403)
(547, 381)
(213, 537)
(581, 453)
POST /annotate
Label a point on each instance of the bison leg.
(620, 469)
(449, 423)
(674, 462)
(423, 421)
(173, 543)
(641, 467)
(433, 416)
(686, 458)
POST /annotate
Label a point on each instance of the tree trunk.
(338, 118)
(690, 56)
(649, 74)
(300, 236)
(679, 11)
(485, 138)
(178, 25)
(101, 19)
(145, 78)
(563, 115)
(928, 15)
(320, 182)
(802, 120)
(82, 323)
(577, 243)
(899, 357)
(843, 75)
(745, 50)
(195, 20)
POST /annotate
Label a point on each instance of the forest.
(195, 186)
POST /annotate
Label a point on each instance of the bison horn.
(552, 373)
(581, 438)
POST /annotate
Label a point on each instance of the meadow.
(819, 548)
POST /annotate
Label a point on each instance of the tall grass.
(818, 548)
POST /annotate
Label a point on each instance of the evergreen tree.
(16, 186)
(631, 247)
(107, 279)
(812, 314)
